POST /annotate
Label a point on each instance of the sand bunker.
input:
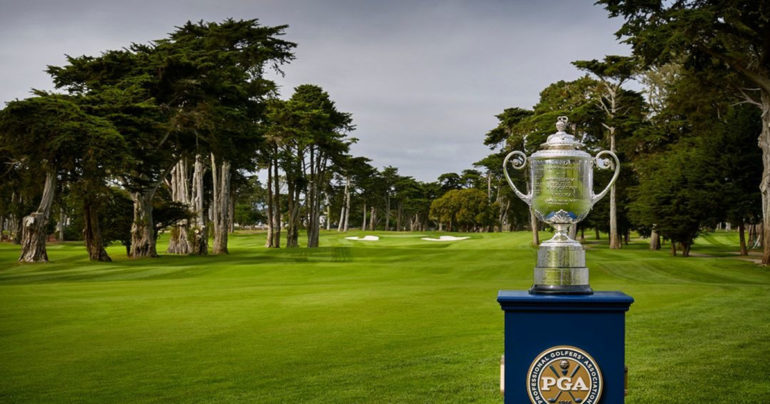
(364, 238)
(445, 238)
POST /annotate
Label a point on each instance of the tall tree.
(217, 85)
(313, 134)
(576, 99)
(196, 93)
(128, 81)
(502, 139)
(275, 136)
(389, 176)
(676, 192)
(352, 169)
(53, 135)
(724, 37)
(739, 163)
(612, 73)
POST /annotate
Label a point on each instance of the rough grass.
(399, 320)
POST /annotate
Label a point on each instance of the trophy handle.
(602, 164)
(528, 197)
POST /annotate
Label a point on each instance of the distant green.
(398, 320)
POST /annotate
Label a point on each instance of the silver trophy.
(561, 195)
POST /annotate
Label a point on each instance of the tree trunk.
(504, 214)
(292, 224)
(654, 239)
(231, 212)
(200, 238)
(372, 217)
(764, 187)
(60, 225)
(673, 248)
(142, 228)
(329, 215)
(596, 230)
(317, 177)
(310, 195)
(342, 214)
(363, 223)
(347, 204)
(269, 235)
(686, 249)
(611, 110)
(399, 212)
(614, 237)
(178, 242)
(16, 229)
(489, 186)
(276, 202)
(533, 224)
(742, 236)
(92, 232)
(220, 176)
(34, 225)
(387, 213)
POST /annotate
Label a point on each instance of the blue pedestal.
(593, 323)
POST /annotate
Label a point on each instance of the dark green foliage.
(53, 132)
(678, 191)
(740, 165)
(727, 35)
(250, 200)
(213, 80)
(715, 143)
(449, 181)
(721, 42)
(115, 212)
(116, 218)
(506, 121)
(463, 209)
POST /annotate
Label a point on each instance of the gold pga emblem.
(564, 375)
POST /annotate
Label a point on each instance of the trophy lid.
(562, 140)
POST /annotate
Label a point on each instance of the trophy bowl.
(563, 183)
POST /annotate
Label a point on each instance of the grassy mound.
(401, 320)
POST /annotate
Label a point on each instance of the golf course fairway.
(397, 320)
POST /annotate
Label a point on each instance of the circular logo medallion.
(564, 375)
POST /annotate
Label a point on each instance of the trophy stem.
(561, 233)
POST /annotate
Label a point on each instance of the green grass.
(399, 320)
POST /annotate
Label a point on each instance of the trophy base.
(560, 290)
(561, 281)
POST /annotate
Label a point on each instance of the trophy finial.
(561, 123)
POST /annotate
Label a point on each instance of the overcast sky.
(423, 79)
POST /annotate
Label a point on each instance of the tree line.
(169, 135)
